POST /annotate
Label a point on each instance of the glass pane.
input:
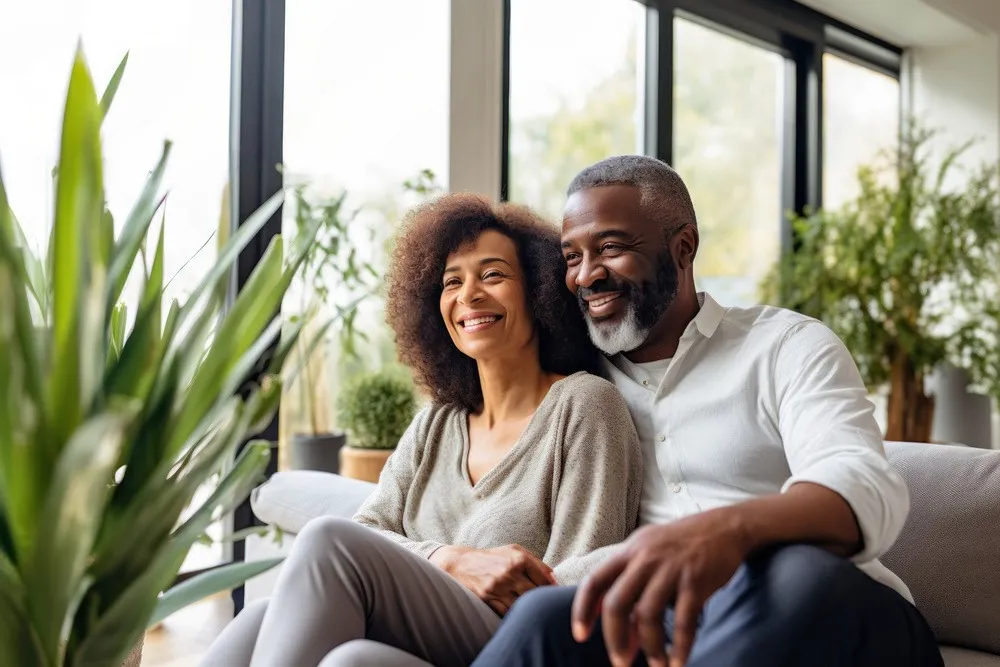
(576, 92)
(728, 102)
(366, 113)
(168, 92)
(860, 118)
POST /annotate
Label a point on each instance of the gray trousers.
(348, 597)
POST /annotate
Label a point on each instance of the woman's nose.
(470, 293)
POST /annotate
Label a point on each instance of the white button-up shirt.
(753, 401)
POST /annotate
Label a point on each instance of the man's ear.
(686, 247)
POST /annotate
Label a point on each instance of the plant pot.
(134, 658)
(363, 464)
(317, 452)
(959, 416)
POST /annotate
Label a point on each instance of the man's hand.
(680, 564)
(496, 576)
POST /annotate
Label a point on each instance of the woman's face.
(483, 302)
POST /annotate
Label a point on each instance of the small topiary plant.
(376, 408)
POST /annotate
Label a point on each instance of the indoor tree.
(907, 273)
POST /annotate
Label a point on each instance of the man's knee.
(546, 609)
(802, 577)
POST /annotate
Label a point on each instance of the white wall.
(957, 88)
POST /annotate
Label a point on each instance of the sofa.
(948, 553)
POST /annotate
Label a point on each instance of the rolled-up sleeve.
(830, 435)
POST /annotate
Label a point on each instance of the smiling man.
(767, 498)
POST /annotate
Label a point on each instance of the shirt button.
(645, 383)
(676, 488)
(661, 438)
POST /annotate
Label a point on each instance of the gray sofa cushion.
(949, 550)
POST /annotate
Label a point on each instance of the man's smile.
(603, 304)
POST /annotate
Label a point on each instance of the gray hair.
(663, 196)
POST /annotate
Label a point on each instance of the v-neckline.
(518, 444)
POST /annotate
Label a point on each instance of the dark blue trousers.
(790, 607)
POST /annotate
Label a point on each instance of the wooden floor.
(182, 639)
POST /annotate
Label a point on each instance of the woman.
(523, 465)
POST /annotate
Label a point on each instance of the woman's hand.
(496, 576)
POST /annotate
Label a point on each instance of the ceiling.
(907, 23)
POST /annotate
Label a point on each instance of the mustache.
(604, 285)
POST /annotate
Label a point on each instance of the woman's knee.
(326, 531)
(368, 653)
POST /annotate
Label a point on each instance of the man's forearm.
(806, 513)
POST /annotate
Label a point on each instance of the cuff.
(876, 493)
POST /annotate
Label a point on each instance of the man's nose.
(589, 272)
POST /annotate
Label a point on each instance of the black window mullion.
(659, 95)
(257, 140)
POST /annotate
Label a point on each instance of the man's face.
(618, 264)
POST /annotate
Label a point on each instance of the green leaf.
(22, 400)
(119, 320)
(55, 572)
(79, 207)
(112, 88)
(208, 583)
(18, 643)
(122, 624)
(136, 226)
(231, 491)
(230, 253)
(134, 374)
(256, 304)
(34, 267)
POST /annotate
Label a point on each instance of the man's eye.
(611, 248)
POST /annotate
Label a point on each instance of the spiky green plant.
(106, 432)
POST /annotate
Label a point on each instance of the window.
(861, 118)
(728, 113)
(366, 107)
(180, 94)
(576, 92)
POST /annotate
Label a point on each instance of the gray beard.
(614, 338)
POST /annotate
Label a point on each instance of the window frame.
(798, 32)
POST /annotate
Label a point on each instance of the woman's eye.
(571, 257)
(452, 282)
(492, 275)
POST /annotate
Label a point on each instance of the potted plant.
(340, 274)
(108, 426)
(907, 274)
(331, 277)
(375, 409)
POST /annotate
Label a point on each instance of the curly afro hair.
(433, 231)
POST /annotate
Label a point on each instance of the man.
(767, 496)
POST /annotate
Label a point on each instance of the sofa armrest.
(290, 499)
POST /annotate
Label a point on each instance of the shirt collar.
(709, 315)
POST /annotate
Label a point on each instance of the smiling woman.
(427, 275)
